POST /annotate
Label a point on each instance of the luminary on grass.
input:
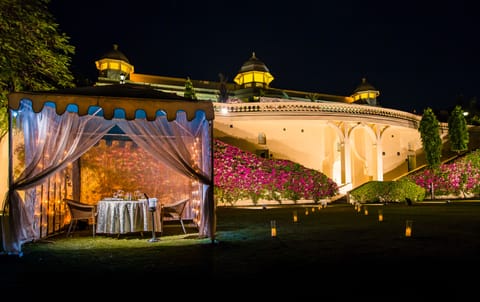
(380, 215)
(313, 210)
(366, 211)
(295, 216)
(306, 211)
(408, 228)
(273, 227)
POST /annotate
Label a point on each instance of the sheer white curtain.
(185, 147)
(51, 141)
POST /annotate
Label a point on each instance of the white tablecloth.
(126, 216)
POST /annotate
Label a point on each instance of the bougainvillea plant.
(460, 178)
(240, 175)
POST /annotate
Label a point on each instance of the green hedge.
(387, 191)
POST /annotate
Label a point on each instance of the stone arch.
(336, 164)
(363, 145)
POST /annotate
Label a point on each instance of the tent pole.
(10, 156)
(213, 227)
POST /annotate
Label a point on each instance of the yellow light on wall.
(247, 77)
(125, 68)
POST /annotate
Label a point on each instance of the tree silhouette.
(34, 54)
(189, 92)
(430, 135)
(223, 92)
(457, 130)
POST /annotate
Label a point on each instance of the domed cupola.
(114, 65)
(254, 73)
(365, 93)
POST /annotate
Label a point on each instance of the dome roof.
(253, 64)
(115, 54)
(364, 86)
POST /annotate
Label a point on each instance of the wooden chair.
(80, 211)
(174, 212)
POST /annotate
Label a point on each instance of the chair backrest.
(80, 210)
(177, 207)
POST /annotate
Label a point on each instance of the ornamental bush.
(387, 191)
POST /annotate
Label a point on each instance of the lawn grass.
(332, 246)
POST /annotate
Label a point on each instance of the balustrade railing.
(301, 107)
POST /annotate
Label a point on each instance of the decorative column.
(378, 143)
(348, 159)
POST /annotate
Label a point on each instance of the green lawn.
(335, 247)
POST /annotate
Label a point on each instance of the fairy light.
(195, 193)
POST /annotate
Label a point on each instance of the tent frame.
(132, 100)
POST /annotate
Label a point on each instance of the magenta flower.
(239, 174)
(460, 178)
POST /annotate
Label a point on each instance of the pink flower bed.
(458, 179)
(240, 175)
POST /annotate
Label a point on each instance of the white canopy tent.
(56, 127)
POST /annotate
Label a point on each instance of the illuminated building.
(350, 138)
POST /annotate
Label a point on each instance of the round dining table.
(118, 216)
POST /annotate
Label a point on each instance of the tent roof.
(128, 97)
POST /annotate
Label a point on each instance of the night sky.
(417, 55)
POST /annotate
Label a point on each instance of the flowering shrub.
(460, 178)
(239, 175)
(387, 192)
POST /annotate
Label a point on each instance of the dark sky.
(417, 55)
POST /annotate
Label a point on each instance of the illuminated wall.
(317, 144)
(116, 165)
